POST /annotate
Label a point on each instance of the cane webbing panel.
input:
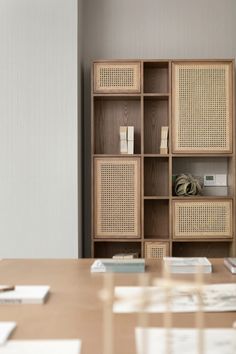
(116, 77)
(117, 202)
(156, 250)
(202, 219)
(202, 114)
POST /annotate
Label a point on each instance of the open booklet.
(184, 298)
(25, 294)
(185, 341)
(72, 346)
(6, 329)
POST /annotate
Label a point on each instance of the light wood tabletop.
(74, 310)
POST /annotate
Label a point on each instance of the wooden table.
(74, 310)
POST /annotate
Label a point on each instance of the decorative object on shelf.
(186, 184)
(164, 140)
(127, 140)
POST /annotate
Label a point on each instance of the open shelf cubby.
(201, 249)
(156, 176)
(156, 77)
(109, 249)
(109, 114)
(156, 219)
(205, 165)
(156, 115)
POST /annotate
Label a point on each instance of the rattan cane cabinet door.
(202, 219)
(117, 77)
(117, 197)
(202, 107)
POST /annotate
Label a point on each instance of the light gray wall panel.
(151, 29)
(38, 128)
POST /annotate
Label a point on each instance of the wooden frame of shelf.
(149, 110)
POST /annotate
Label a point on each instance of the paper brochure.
(185, 341)
(41, 347)
(184, 298)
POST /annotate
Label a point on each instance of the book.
(127, 140)
(125, 255)
(230, 263)
(69, 346)
(118, 266)
(6, 329)
(130, 147)
(25, 294)
(188, 264)
(164, 140)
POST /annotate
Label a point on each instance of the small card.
(6, 328)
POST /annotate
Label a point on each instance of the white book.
(6, 328)
(185, 340)
(164, 140)
(230, 263)
(25, 294)
(188, 264)
(130, 147)
(130, 133)
(123, 146)
(72, 346)
(123, 133)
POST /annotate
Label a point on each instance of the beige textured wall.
(151, 29)
(38, 129)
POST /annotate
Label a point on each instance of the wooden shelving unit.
(151, 106)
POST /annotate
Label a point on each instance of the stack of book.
(125, 255)
(118, 266)
(188, 264)
(230, 263)
(127, 140)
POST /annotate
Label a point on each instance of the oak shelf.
(151, 105)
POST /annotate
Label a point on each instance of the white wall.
(38, 129)
(152, 29)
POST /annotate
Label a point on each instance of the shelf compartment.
(156, 176)
(201, 249)
(109, 249)
(156, 115)
(156, 77)
(109, 115)
(156, 219)
(204, 165)
(156, 250)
